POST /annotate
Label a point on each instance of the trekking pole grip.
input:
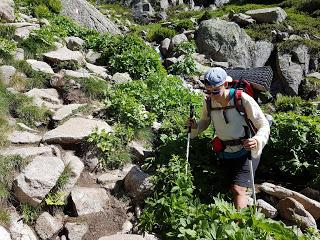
(191, 115)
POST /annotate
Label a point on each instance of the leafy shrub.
(111, 147)
(184, 67)
(294, 104)
(293, 146)
(287, 46)
(29, 213)
(309, 6)
(7, 31)
(55, 5)
(94, 88)
(64, 177)
(184, 48)
(175, 213)
(55, 199)
(42, 11)
(6, 47)
(162, 33)
(185, 24)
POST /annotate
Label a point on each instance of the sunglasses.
(214, 92)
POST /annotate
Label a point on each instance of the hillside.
(94, 98)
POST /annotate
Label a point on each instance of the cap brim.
(229, 79)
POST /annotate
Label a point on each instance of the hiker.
(230, 130)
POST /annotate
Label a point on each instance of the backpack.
(240, 86)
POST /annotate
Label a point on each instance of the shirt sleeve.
(255, 114)
(203, 122)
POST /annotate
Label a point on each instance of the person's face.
(215, 92)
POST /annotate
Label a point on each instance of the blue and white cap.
(216, 77)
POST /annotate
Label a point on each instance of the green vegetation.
(309, 6)
(175, 213)
(294, 104)
(94, 88)
(40, 8)
(64, 177)
(29, 213)
(4, 216)
(6, 47)
(55, 199)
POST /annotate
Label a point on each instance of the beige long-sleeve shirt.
(234, 129)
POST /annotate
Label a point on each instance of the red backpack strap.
(240, 108)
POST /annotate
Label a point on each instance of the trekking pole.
(189, 136)
(251, 171)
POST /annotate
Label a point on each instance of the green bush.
(94, 88)
(7, 31)
(112, 146)
(6, 48)
(29, 213)
(184, 48)
(184, 67)
(185, 24)
(162, 33)
(309, 6)
(294, 104)
(175, 213)
(4, 216)
(42, 11)
(55, 5)
(292, 149)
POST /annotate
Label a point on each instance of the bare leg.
(239, 196)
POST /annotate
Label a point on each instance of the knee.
(238, 190)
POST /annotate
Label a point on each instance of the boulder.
(80, 73)
(267, 209)
(311, 193)
(74, 43)
(48, 226)
(76, 231)
(294, 211)
(110, 178)
(224, 41)
(242, 19)
(314, 75)
(290, 73)
(26, 152)
(65, 111)
(98, 70)
(6, 74)
(7, 10)
(3, 232)
(24, 137)
(87, 15)
(143, 10)
(119, 78)
(178, 39)
(37, 179)
(139, 151)
(220, 3)
(88, 200)
(92, 56)
(310, 205)
(23, 29)
(18, 229)
(45, 97)
(137, 183)
(76, 166)
(40, 66)
(74, 130)
(268, 15)
(18, 54)
(164, 46)
(129, 237)
(65, 57)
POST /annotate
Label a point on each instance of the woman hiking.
(231, 133)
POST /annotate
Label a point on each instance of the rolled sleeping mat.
(259, 77)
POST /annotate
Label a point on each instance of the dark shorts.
(237, 170)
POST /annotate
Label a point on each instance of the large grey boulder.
(290, 73)
(76, 230)
(37, 179)
(7, 10)
(143, 10)
(291, 209)
(137, 183)
(88, 200)
(74, 43)
(6, 74)
(30, 152)
(48, 226)
(268, 15)
(310, 205)
(64, 56)
(4, 234)
(18, 229)
(45, 97)
(98, 70)
(40, 66)
(80, 73)
(65, 111)
(267, 209)
(76, 166)
(178, 39)
(23, 29)
(75, 130)
(24, 137)
(225, 41)
(87, 15)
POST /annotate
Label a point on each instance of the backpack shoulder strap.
(240, 108)
(208, 103)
